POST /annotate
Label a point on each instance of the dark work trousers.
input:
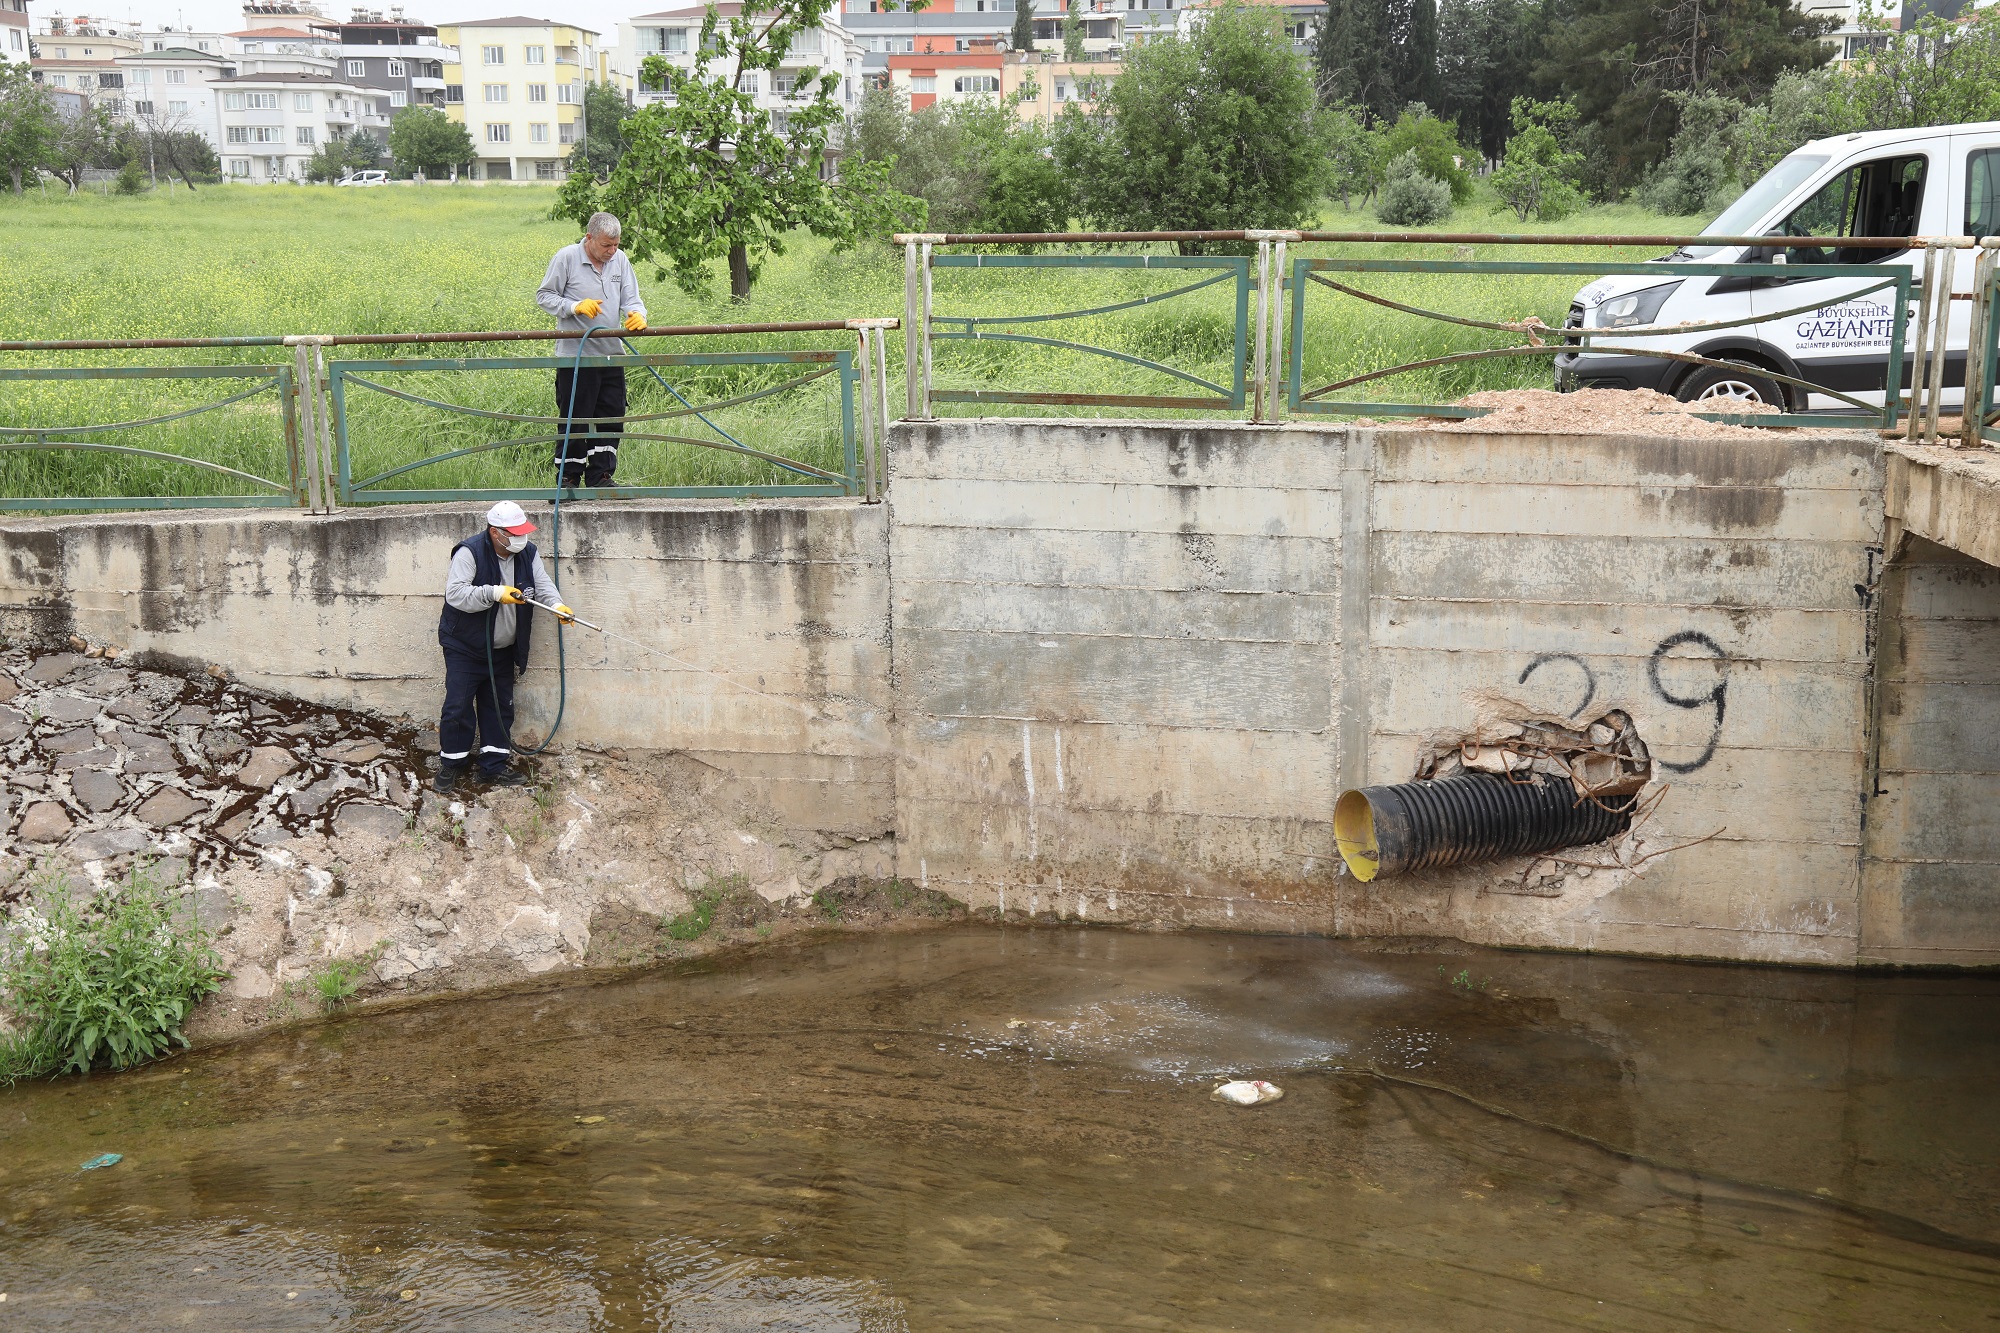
(593, 450)
(478, 710)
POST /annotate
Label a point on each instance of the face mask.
(515, 545)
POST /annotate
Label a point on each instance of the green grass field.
(242, 260)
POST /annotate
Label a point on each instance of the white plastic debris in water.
(1247, 1092)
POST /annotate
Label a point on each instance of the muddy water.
(1010, 1128)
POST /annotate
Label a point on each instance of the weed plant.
(239, 260)
(336, 980)
(694, 923)
(108, 979)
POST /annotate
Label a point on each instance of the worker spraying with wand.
(485, 630)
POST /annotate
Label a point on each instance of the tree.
(172, 141)
(1620, 62)
(975, 165)
(1538, 177)
(707, 175)
(1379, 55)
(1218, 130)
(1022, 37)
(363, 151)
(1352, 154)
(1436, 148)
(422, 138)
(29, 124)
(1072, 33)
(604, 143)
(1487, 51)
(82, 141)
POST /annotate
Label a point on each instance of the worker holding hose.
(591, 284)
(485, 631)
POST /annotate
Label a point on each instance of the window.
(85, 81)
(533, 55)
(1879, 198)
(454, 92)
(806, 43)
(177, 108)
(747, 82)
(305, 136)
(252, 48)
(923, 83)
(302, 101)
(567, 92)
(399, 98)
(142, 76)
(499, 133)
(204, 46)
(783, 83)
(263, 101)
(357, 69)
(673, 41)
(232, 101)
(545, 171)
(1062, 91)
(395, 69)
(142, 108)
(538, 134)
(239, 167)
(538, 92)
(781, 123)
(15, 34)
(62, 53)
(566, 133)
(1982, 195)
(493, 55)
(496, 92)
(266, 134)
(177, 76)
(976, 83)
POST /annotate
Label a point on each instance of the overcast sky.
(227, 15)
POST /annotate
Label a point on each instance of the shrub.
(131, 177)
(110, 979)
(1435, 145)
(1538, 179)
(1411, 197)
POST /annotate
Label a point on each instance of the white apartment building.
(517, 87)
(271, 124)
(14, 31)
(173, 89)
(674, 33)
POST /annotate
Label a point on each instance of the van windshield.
(1754, 203)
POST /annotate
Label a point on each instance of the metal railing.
(330, 457)
(1273, 378)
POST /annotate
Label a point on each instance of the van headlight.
(1640, 307)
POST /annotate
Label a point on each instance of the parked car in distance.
(1944, 180)
(366, 178)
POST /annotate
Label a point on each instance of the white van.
(1923, 182)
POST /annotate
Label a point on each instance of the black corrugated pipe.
(1386, 831)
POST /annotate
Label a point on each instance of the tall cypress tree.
(1022, 38)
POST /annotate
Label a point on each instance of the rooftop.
(518, 21)
(272, 34)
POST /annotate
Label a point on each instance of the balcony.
(423, 83)
(340, 114)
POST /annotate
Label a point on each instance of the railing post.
(924, 333)
(1973, 412)
(1276, 378)
(1940, 339)
(874, 335)
(288, 391)
(864, 332)
(917, 320)
(308, 407)
(911, 409)
(1919, 356)
(1261, 330)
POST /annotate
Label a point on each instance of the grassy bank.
(239, 260)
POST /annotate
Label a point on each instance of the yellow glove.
(634, 321)
(564, 614)
(511, 596)
(589, 308)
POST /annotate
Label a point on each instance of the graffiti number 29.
(1717, 698)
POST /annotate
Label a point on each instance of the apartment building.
(517, 87)
(271, 124)
(173, 88)
(1301, 17)
(674, 34)
(81, 56)
(1037, 84)
(401, 57)
(14, 42)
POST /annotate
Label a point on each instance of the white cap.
(510, 516)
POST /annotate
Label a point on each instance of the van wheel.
(1714, 386)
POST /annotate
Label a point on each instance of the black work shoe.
(448, 778)
(509, 777)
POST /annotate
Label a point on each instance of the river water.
(1011, 1128)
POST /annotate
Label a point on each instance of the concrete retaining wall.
(777, 614)
(1136, 662)
(1122, 670)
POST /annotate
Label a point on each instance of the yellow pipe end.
(1354, 834)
